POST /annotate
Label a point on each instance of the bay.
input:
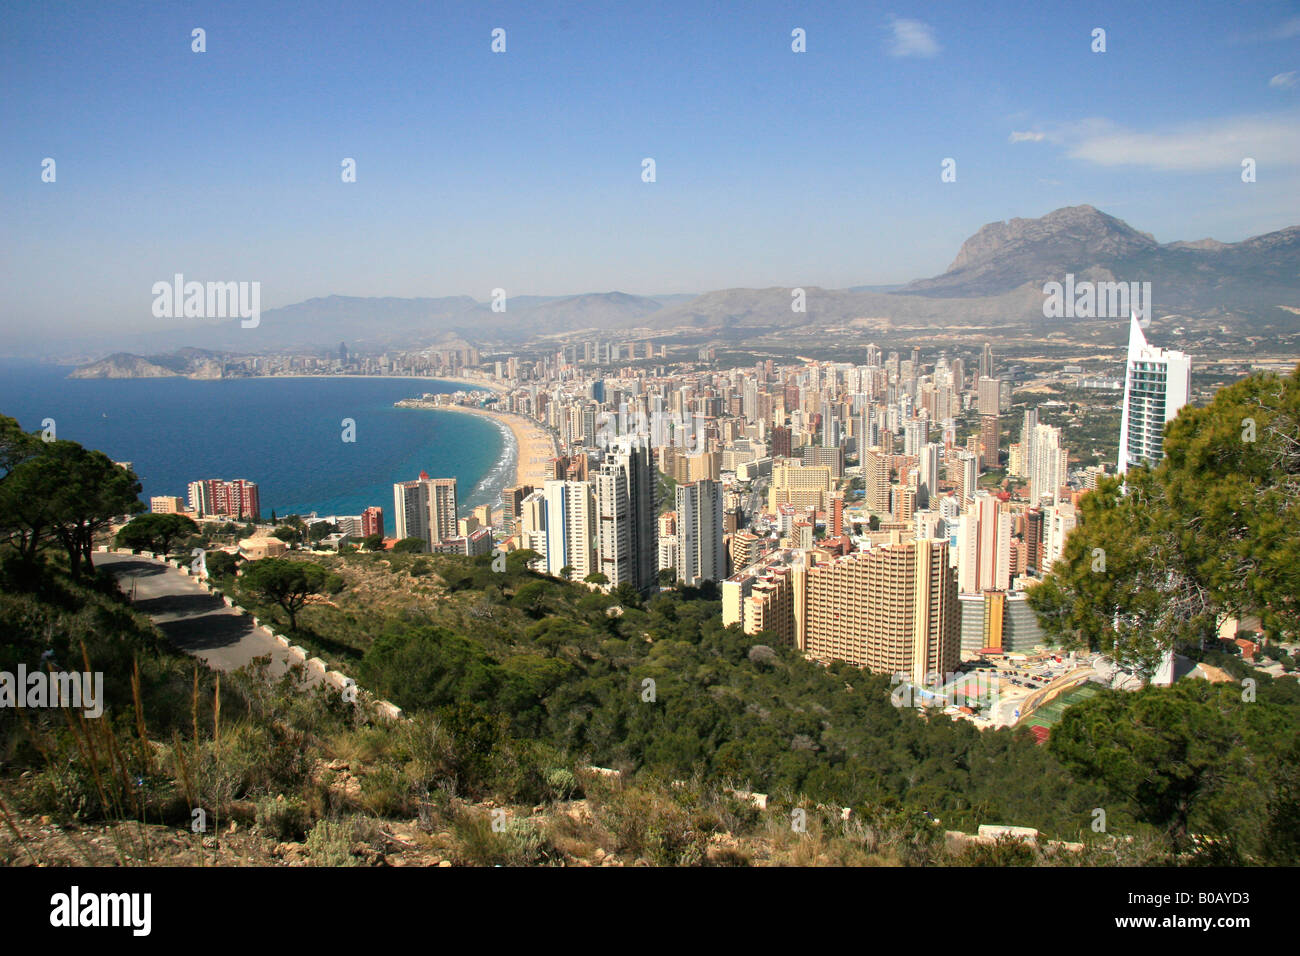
(286, 434)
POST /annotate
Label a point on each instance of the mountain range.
(996, 278)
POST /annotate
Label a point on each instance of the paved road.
(193, 620)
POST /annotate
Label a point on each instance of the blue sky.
(522, 170)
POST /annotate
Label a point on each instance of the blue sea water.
(283, 433)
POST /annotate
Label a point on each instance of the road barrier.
(382, 709)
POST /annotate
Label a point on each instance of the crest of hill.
(1198, 277)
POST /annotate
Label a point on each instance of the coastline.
(495, 387)
(533, 445)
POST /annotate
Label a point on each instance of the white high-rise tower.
(1157, 384)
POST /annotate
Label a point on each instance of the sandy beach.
(534, 445)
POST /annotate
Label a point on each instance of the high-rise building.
(745, 549)
(835, 524)
(411, 509)
(511, 502)
(666, 540)
(891, 609)
(701, 555)
(570, 517)
(1000, 621)
(989, 396)
(625, 490)
(875, 475)
(986, 361)
(228, 499)
(927, 478)
(1050, 464)
(818, 456)
(989, 438)
(531, 523)
(372, 521)
(984, 546)
(425, 509)
(1157, 383)
(1027, 440)
(915, 434)
(442, 508)
(1034, 537)
(963, 471)
(803, 487)
(1058, 522)
(781, 441)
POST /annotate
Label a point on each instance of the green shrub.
(330, 844)
(284, 819)
(517, 843)
(562, 783)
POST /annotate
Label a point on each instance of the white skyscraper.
(1027, 440)
(700, 553)
(1157, 383)
(915, 435)
(570, 528)
(625, 507)
(988, 395)
(1048, 471)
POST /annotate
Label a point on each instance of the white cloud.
(912, 38)
(1026, 137)
(1289, 29)
(1191, 147)
(1284, 81)
(1286, 30)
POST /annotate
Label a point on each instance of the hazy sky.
(522, 170)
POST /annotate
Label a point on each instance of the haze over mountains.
(996, 278)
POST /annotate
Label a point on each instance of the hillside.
(190, 363)
(1257, 273)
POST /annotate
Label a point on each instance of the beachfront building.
(425, 509)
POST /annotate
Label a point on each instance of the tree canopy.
(1159, 559)
(156, 531)
(60, 492)
(289, 583)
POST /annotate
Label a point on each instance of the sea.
(286, 434)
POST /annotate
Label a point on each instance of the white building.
(1058, 522)
(1157, 383)
(570, 513)
(625, 490)
(700, 552)
(1050, 464)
